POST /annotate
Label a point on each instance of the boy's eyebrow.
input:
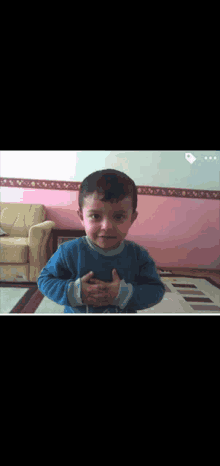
(100, 210)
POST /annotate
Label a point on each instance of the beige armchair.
(27, 244)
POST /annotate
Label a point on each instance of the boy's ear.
(80, 215)
(133, 217)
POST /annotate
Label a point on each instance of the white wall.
(149, 168)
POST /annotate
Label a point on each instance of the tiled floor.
(187, 295)
(184, 295)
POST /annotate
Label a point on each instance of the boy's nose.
(106, 225)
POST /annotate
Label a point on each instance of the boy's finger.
(99, 287)
(99, 292)
(95, 281)
(87, 277)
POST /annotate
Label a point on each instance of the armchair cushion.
(17, 219)
(2, 233)
(26, 243)
(14, 250)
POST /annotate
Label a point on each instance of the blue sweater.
(140, 287)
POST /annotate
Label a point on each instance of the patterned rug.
(184, 295)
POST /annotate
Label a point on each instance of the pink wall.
(176, 232)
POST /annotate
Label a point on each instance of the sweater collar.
(113, 252)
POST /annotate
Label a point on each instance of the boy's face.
(106, 224)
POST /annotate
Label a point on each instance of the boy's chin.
(108, 243)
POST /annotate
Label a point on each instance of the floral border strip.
(75, 186)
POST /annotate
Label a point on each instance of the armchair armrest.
(37, 239)
(39, 230)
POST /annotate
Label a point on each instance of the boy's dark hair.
(114, 185)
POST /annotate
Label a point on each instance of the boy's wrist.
(124, 294)
(74, 293)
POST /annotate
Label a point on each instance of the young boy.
(102, 272)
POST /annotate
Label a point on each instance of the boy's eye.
(99, 215)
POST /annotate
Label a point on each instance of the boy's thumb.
(87, 276)
(115, 275)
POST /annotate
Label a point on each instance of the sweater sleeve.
(55, 279)
(74, 293)
(75, 298)
(146, 291)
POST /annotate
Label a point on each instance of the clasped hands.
(98, 293)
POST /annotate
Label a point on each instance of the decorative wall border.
(75, 186)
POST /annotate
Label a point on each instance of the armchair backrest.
(17, 219)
